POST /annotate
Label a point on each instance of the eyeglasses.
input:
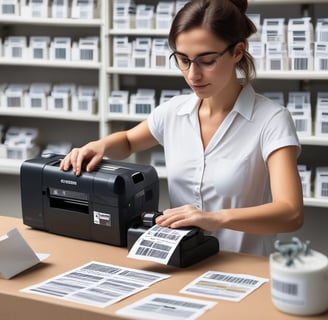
(205, 61)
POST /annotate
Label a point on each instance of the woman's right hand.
(89, 156)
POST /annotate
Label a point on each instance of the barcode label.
(324, 189)
(17, 52)
(38, 53)
(60, 53)
(86, 54)
(301, 125)
(287, 288)
(143, 108)
(8, 9)
(232, 279)
(116, 108)
(36, 102)
(323, 64)
(301, 63)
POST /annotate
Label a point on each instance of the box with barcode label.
(276, 96)
(34, 8)
(301, 58)
(143, 102)
(85, 100)
(15, 47)
(9, 7)
(321, 119)
(321, 182)
(300, 32)
(167, 95)
(39, 47)
(37, 96)
(60, 9)
(118, 102)
(321, 56)
(122, 50)
(256, 19)
(124, 12)
(321, 30)
(274, 30)
(305, 176)
(60, 48)
(299, 105)
(60, 97)
(87, 49)
(145, 14)
(140, 52)
(85, 9)
(164, 15)
(160, 54)
(14, 96)
(276, 58)
(257, 50)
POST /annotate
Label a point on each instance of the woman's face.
(211, 72)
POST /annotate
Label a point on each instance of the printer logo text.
(71, 182)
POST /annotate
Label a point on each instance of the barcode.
(301, 125)
(17, 52)
(36, 103)
(8, 9)
(138, 276)
(322, 36)
(232, 279)
(150, 249)
(167, 310)
(323, 64)
(301, 63)
(13, 102)
(324, 127)
(100, 269)
(59, 103)
(60, 53)
(179, 303)
(86, 54)
(38, 53)
(275, 64)
(143, 108)
(83, 105)
(324, 189)
(115, 108)
(284, 287)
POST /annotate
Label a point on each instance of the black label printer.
(103, 205)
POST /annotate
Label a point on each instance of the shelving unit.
(82, 128)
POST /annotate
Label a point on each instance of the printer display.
(100, 205)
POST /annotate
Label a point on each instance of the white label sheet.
(226, 286)
(164, 307)
(97, 284)
(157, 244)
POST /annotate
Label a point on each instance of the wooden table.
(67, 254)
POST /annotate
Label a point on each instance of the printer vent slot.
(137, 177)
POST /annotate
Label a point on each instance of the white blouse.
(232, 171)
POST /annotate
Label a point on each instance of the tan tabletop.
(67, 254)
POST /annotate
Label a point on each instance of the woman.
(231, 154)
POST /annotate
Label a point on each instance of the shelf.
(50, 64)
(275, 2)
(74, 116)
(314, 202)
(316, 141)
(10, 166)
(14, 20)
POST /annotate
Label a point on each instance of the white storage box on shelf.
(305, 176)
(60, 9)
(60, 48)
(167, 95)
(85, 9)
(140, 52)
(143, 102)
(321, 118)
(164, 15)
(14, 95)
(87, 49)
(276, 58)
(257, 50)
(145, 16)
(39, 47)
(15, 47)
(274, 30)
(299, 105)
(160, 54)
(276, 96)
(60, 98)
(321, 30)
(122, 51)
(300, 42)
(37, 97)
(321, 56)
(85, 100)
(321, 182)
(256, 19)
(57, 148)
(124, 12)
(9, 7)
(118, 102)
(34, 8)
(21, 143)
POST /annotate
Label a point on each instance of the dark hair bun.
(241, 5)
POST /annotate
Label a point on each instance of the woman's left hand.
(188, 216)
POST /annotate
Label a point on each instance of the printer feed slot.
(137, 177)
(68, 200)
(69, 205)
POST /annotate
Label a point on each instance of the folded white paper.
(16, 255)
